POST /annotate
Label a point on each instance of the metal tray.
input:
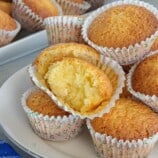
(24, 46)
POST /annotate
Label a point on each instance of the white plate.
(16, 125)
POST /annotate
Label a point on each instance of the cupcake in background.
(64, 29)
(74, 7)
(31, 13)
(47, 119)
(122, 30)
(129, 130)
(95, 4)
(9, 28)
(142, 80)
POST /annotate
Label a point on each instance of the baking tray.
(24, 46)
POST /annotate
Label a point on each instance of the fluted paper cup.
(63, 29)
(151, 101)
(73, 8)
(109, 147)
(27, 18)
(132, 53)
(8, 36)
(114, 72)
(60, 128)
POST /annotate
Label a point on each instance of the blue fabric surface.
(6, 151)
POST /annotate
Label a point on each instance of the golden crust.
(40, 102)
(44, 8)
(6, 7)
(128, 120)
(55, 52)
(7, 22)
(145, 76)
(155, 45)
(122, 26)
(79, 83)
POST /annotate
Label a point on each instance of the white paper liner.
(8, 36)
(151, 101)
(52, 128)
(27, 18)
(124, 56)
(72, 8)
(63, 29)
(109, 147)
(105, 61)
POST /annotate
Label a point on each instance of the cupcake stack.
(81, 77)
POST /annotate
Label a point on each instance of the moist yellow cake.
(7, 22)
(128, 120)
(55, 52)
(121, 26)
(80, 84)
(145, 76)
(43, 8)
(40, 102)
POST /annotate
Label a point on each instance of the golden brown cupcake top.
(145, 76)
(128, 120)
(40, 102)
(7, 22)
(122, 26)
(44, 8)
(6, 7)
(79, 83)
(55, 52)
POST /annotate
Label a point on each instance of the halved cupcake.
(98, 81)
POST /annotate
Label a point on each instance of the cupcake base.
(108, 147)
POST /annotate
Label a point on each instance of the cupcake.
(122, 30)
(84, 85)
(142, 80)
(47, 119)
(63, 29)
(31, 13)
(9, 28)
(95, 4)
(74, 7)
(129, 130)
